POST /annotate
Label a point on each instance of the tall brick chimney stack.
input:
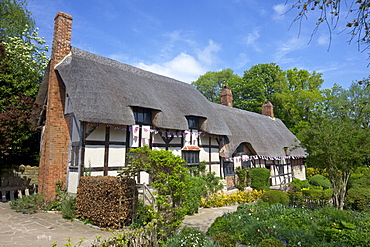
(268, 109)
(226, 96)
(55, 141)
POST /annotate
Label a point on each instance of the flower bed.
(224, 199)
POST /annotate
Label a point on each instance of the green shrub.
(320, 180)
(243, 177)
(260, 178)
(221, 224)
(225, 240)
(275, 196)
(189, 237)
(298, 184)
(358, 199)
(143, 215)
(272, 242)
(193, 194)
(68, 208)
(29, 204)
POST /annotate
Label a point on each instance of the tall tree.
(14, 19)
(257, 87)
(298, 97)
(210, 83)
(22, 63)
(340, 147)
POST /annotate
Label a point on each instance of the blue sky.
(185, 39)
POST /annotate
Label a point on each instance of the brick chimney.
(268, 109)
(226, 96)
(55, 141)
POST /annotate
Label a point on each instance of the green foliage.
(221, 224)
(297, 98)
(272, 242)
(297, 184)
(68, 208)
(243, 177)
(255, 223)
(143, 215)
(257, 87)
(170, 181)
(189, 237)
(340, 146)
(260, 178)
(29, 204)
(358, 194)
(22, 63)
(225, 239)
(193, 194)
(320, 180)
(210, 83)
(311, 171)
(14, 18)
(275, 196)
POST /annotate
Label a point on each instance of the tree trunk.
(339, 182)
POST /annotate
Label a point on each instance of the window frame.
(191, 155)
(142, 116)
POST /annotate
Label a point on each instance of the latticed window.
(193, 122)
(191, 157)
(142, 116)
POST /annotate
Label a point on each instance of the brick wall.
(55, 142)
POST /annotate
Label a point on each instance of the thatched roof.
(101, 90)
(266, 135)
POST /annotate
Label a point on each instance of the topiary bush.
(297, 184)
(275, 196)
(260, 178)
(358, 199)
(320, 180)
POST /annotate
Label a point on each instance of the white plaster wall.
(299, 172)
(73, 178)
(98, 134)
(116, 155)
(94, 155)
(118, 135)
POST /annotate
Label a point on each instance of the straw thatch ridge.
(103, 90)
(268, 136)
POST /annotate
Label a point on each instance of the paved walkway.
(43, 229)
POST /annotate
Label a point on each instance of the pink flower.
(271, 231)
(258, 233)
(334, 224)
(265, 229)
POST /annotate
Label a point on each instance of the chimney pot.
(268, 109)
(226, 96)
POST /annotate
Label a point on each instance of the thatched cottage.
(95, 110)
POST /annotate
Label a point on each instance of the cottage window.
(191, 157)
(247, 164)
(193, 122)
(229, 169)
(142, 116)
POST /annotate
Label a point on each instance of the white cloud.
(323, 39)
(279, 11)
(207, 55)
(291, 45)
(251, 39)
(185, 67)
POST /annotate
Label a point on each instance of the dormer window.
(142, 116)
(193, 122)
